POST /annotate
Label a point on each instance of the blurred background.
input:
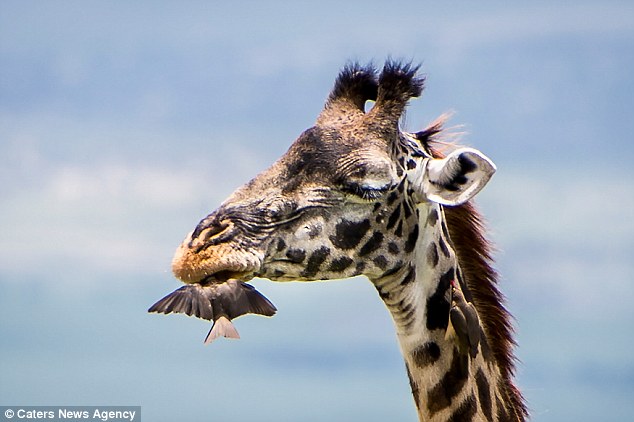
(122, 124)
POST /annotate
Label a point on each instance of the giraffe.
(356, 195)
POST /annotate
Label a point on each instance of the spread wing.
(191, 299)
(233, 298)
(238, 298)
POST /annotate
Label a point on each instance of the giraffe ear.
(457, 178)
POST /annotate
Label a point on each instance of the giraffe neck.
(447, 383)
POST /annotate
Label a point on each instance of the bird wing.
(237, 298)
(459, 324)
(465, 321)
(473, 326)
(191, 299)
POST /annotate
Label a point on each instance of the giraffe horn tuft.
(355, 84)
(398, 83)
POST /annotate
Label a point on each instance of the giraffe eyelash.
(364, 192)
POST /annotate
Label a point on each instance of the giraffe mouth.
(226, 275)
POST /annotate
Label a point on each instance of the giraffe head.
(343, 200)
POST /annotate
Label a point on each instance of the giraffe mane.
(475, 256)
(466, 229)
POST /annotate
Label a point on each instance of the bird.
(215, 301)
(464, 322)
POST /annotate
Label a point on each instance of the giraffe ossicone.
(356, 195)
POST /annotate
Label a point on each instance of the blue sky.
(122, 124)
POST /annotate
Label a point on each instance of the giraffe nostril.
(205, 231)
(213, 231)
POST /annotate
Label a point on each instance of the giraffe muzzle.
(213, 252)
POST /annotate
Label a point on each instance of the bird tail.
(222, 328)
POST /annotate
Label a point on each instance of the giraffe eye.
(367, 193)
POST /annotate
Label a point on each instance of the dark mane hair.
(474, 250)
(466, 230)
(399, 82)
(356, 84)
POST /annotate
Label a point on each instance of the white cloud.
(112, 218)
(562, 205)
(117, 183)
